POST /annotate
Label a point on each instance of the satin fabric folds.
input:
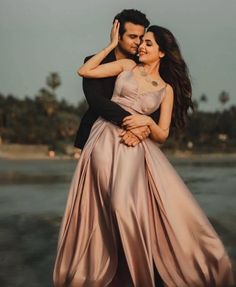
(132, 199)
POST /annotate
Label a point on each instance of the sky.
(42, 36)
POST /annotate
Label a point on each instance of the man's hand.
(128, 138)
(134, 136)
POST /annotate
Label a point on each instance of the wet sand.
(32, 200)
(28, 248)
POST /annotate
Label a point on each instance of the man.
(98, 92)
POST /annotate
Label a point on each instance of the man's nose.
(137, 42)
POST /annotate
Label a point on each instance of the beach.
(33, 195)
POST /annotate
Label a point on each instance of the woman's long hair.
(174, 71)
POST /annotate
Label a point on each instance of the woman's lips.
(141, 53)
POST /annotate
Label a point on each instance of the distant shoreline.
(16, 151)
(178, 155)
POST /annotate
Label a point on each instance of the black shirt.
(98, 93)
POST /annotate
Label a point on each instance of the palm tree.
(46, 97)
(223, 98)
(53, 81)
(48, 101)
(203, 98)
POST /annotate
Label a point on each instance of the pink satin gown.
(132, 198)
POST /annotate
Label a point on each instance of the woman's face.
(149, 51)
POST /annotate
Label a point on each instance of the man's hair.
(133, 16)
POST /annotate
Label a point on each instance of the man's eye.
(132, 37)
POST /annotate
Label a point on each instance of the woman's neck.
(152, 69)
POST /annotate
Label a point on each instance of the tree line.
(46, 120)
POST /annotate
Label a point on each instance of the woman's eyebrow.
(148, 41)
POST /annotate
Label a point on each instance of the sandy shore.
(42, 152)
(178, 155)
(29, 248)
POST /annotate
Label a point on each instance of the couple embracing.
(130, 220)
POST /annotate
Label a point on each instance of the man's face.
(131, 39)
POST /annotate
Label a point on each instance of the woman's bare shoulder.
(169, 94)
(169, 89)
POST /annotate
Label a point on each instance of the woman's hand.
(115, 33)
(134, 121)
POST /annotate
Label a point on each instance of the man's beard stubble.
(127, 54)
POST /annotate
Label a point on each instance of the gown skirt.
(129, 213)
(134, 197)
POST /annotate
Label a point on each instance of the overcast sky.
(42, 36)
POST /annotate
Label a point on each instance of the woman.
(131, 197)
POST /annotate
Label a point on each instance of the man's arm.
(101, 105)
(111, 111)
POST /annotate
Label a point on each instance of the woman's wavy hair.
(174, 71)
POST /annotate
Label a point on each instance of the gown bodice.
(126, 95)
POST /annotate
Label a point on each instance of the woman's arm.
(160, 131)
(93, 69)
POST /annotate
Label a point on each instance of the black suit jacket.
(98, 93)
